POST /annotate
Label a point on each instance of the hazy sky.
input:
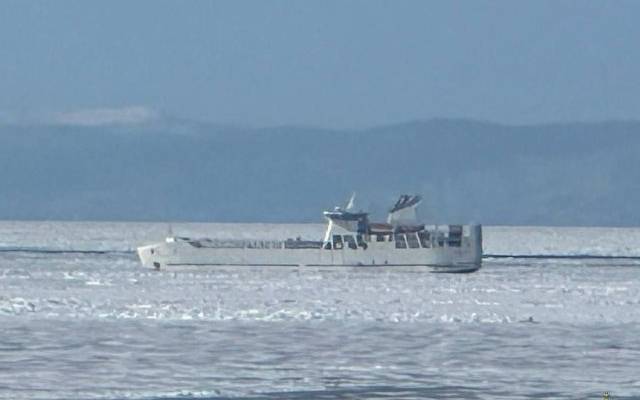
(327, 63)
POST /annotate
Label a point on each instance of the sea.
(554, 313)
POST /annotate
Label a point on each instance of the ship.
(350, 240)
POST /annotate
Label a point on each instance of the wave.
(44, 250)
(562, 256)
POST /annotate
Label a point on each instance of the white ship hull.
(436, 256)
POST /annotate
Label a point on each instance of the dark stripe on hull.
(462, 268)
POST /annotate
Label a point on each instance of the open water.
(81, 319)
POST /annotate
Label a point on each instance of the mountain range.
(167, 169)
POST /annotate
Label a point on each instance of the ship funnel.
(404, 211)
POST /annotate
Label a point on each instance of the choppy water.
(93, 324)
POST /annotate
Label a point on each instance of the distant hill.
(555, 174)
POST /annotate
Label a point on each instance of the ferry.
(351, 240)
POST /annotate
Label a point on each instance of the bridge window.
(350, 241)
(425, 239)
(400, 241)
(413, 241)
(337, 242)
(455, 235)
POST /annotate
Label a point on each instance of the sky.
(339, 64)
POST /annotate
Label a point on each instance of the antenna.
(351, 201)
